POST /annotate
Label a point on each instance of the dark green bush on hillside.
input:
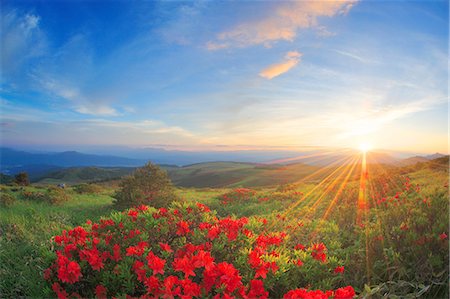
(53, 195)
(56, 195)
(148, 185)
(22, 179)
(88, 189)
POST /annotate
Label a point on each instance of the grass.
(26, 229)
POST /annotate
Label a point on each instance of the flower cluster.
(184, 252)
(238, 195)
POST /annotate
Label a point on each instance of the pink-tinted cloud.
(291, 59)
(281, 25)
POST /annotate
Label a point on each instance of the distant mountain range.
(37, 164)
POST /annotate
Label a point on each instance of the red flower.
(153, 285)
(443, 236)
(254, 258)
(165, 247)
(133, 214)
(60, 292)
(138, 269)
(257, 290)
(318, 252)
(213, 232)
(182, 228)
(299, 263)
(339, 269)
(116, 252)
(299, 247)
(184, 265)
(68, 271)
(190, 288)
(155, 263)
(306, 294)
(344, 293)
(203, 259)
(100, 292)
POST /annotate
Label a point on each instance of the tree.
(22, 179)
(148, 185)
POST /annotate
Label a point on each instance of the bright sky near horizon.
(241, 74)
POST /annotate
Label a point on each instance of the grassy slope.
(213, 174)
(26, 227)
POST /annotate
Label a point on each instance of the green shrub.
(56, 195)
(22, 179)
(6, 199)
(53, 195)
(88, 189)
(34, 195)
(148, 185)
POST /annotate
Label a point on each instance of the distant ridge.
(10, 157)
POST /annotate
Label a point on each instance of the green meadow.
(393, 244)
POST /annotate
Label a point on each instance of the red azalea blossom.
(60, 292)
(182, 228)
(344, 293)
(165, 247)
(257, 289)
(198, 261)
(299, 247)
(443, 236)
(184, 265)
(68, 271)
(155, 263)
(100, 292)
(318, 252)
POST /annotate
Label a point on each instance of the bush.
(22, 179)
(187, 252)
(6, 199)
(52, 195)
(88, 189)
(148, 185)
(56, 195)
(238, 195)
(34, 196)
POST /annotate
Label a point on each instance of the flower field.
(328, 239)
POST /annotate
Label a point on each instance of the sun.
(365, 147)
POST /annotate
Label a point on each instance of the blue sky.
(207, 74)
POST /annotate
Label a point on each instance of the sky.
(225, 74)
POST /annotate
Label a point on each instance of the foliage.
(6, 179)
(22, 179)
(53, 195)
(88, 188)
(185, 251)
(25, 240)
(148, 185)
(395, 245)
(6, 199)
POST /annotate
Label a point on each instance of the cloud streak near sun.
(291, 60)
(282, 24)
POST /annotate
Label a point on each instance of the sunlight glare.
(365, 147)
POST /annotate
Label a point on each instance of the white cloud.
(21, 40)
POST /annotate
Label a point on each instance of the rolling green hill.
(222, 174)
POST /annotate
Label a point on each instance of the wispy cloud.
(282, 24)
(94, 131)
(291, 60)
(21, 40)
